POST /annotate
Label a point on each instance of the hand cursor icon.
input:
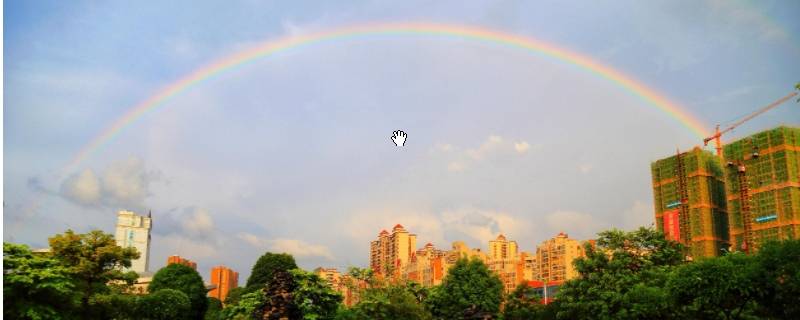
(399, 138)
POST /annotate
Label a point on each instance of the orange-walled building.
(179, 260)
(224, 280)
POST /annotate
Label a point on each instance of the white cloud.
(585, 168)
(124, 183)
(455, 166)
(481, 225)
(198, 222)
(640, 214)
(491, 144)
(297, 248)
(522, 147)
(578, 225)
(83, 188)
(186, 247)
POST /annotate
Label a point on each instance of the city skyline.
(290, 152)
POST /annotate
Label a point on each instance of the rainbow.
(270, 47)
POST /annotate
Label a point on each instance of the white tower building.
(134, 231)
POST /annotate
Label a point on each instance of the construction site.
(746, 193)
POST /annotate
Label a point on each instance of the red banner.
(672, 227)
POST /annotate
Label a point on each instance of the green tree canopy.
(717, 288)
(166, 304)
(314, 296)
(266, 266)
(470, 289)
(234, 295)
(94, 259)
(184, 279)
(778, 276)
(214, 309)
(388, 302)
(523, 304)
(244, 307)
(622, 277)
(34, 286)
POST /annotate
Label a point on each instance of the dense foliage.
(523, 304)
(626, 275)
(244, 307)
(166, 304)
(393, 301)
(214, 309)
(622, 276)
(184, 279)
(93, 259)
(469, 290)
(266, 266)
(34, 286)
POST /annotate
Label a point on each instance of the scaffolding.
(764, 195)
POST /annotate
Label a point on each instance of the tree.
(266, 266)
(34, 286)
(94, 259)
(165, 304)
(114, 305)
(522, 304)
(244, 307)
(387, 302)
(279, 297)
(778, 276)
(184, 279)
(234, 295)
(214, 309)
(314, 296)
(622, 277)
(716, 288)
(470, 289)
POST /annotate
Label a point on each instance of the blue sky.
(291, 153)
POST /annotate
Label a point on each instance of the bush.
(186, 280)
(165, 304)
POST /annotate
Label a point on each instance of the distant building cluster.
(134, 231)
(394, 256)
(183, 261)
(735, 202)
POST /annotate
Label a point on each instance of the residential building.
(689, 197)
(545, 289)
(391, 253)
(426, 266)
(762, 172)
(554, 257)
(503, 259)
(342, 283)
(183, 261)
(224, 279)
(501, 248)
(133, 230)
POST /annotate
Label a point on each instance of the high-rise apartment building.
(689, 197)
(501, 248)
(181, 260)
(223, 279)
(554, 258)
(504, 260)
(762, 172)
(391, 253)
(133, 230)
(426, 266)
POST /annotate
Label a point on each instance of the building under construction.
(763, 187)
(690, 203)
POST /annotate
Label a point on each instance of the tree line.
(625, 275)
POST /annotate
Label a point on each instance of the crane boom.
(718, 133)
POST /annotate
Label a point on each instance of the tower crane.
(718, 133)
